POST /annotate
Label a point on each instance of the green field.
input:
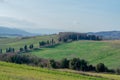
(103, 75)
(107, 52)
(20, 42)
(10, 71)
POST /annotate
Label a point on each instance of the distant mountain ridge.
(107, 35)
(5, 31)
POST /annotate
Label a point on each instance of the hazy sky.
(73, 15)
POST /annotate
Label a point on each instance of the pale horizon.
(61, 15)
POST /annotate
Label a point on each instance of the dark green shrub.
(101, 67)
(52, 63)
(65, 63)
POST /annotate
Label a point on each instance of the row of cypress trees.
(27, 48)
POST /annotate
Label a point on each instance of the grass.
(107, 52)
(103, 75)
(10, 71)
(20, 42)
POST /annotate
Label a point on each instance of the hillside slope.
(21, 41)
(107, 52)
(10, 71)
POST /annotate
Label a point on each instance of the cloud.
(16, 23)
(2, 1)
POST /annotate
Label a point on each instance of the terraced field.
(10, 71)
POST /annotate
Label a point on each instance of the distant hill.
(109, 35)
(4, 31)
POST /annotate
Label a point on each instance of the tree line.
(73, 36)
(74, 63)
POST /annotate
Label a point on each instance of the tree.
(74, 64)
(42, 43)
(59, 39)
(52, 41)
(25, 48)
(13, 50)
(0, 50)
(83, 65)
(101, 67)
(21, 49)
(52, 63)
(31, 46)
(73, 36)
(8, 50)
(78, 64)
(65, 63)
(117, 71)
(48, 42)
(91, 68)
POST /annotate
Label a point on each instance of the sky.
(63, 15)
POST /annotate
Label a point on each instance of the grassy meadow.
(10, 71)
(103, 75)
(20, 42)
(107, 52)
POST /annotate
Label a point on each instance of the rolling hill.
(94, 52)
(10, 71)
(21, 41)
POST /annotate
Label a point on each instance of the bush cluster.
(24, 59)
(75, 63)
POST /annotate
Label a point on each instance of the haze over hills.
(4, 31)
(109, 35)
